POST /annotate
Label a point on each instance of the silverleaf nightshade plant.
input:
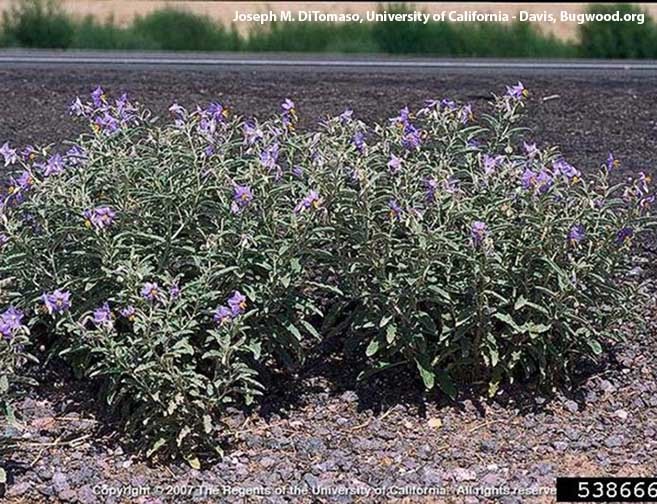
(177, 262)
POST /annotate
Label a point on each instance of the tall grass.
(42, 23)
(618, 40)
(37, 23)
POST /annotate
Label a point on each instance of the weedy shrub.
(37, 23)
(613, 39)
(177, 30)
(312, 37)
(92, 34)
(465, 39)
(176, 263)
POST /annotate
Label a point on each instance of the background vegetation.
(43, 24)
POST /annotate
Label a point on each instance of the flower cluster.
(234, 307)
(56, 302)
(11, 321)
(99, 218)
(106, 118)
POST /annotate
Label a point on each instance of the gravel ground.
(317, 432)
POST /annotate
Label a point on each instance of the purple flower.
(529, 179)
(11, 320)
(530, 149)
(237, 303)
(23, 183)
(28, 153)
(394, 164)
(289, 114)
(222, 315)
(431, 186)
(99, 218)
(346, 116)
(174, 291)
(644, 181)
(8, 154)
(150, 291)
(76, 156)
(645, 203)
(177, 111)
(543, 181)
(251, 133)
(540, 182)
(491, 163)
(473, 143)
(129, 312)
(576, 234)
(103, 316)
(568, 171)
(287, 105)
(58, 301)
(216, 112)
(242, 197)
(106, 124)
(4, 239)
(359, 141)
(611, 162)
(403, 117)
(517, 92)
(412, 137)
(208, 151)
(466, 114)
(312, 200)
(207, 127)
(98, 97)
(297, 171)
(478, 232)
(448, 104)
(269, 157)
(124, 109)
(624, 235)
(77, 108)
(396, 211)
(54, 165)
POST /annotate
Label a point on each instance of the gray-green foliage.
(433, 240)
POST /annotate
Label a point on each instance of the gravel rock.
(571, 406)
(614, 441)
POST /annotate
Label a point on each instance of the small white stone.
(622, 414)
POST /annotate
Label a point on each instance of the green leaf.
(507, 319)
(594, 345)
(427, 374)
(193, 462)
(207, 424)
(391, 333)
(156, 446)
(385, 320)
(372, 348)
(446, 384)
(311, 329)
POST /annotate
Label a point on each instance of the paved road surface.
(309, 62)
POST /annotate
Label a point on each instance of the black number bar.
(606, 489)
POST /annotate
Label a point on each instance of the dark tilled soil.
(586, 115)
(318, 432)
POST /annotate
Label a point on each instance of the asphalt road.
(309, 62)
